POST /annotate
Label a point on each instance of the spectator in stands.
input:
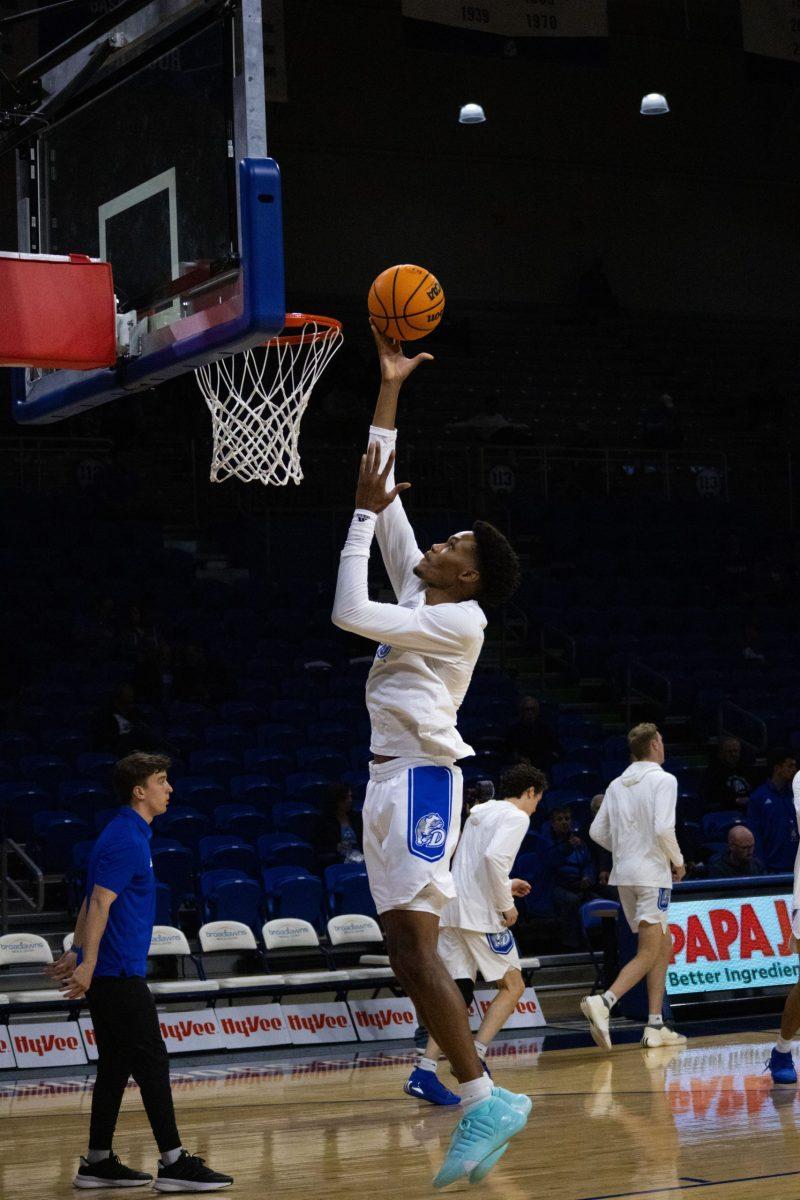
(738, 859)
(771, 815)
(118, 727)
(568, 861)
(340, 832)
(725, 784)
(531, 737)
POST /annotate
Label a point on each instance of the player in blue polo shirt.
(108, 965)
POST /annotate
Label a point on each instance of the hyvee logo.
(250, 1024)
(44, 1044)
(383, 1018)
(179, 1031)
(315, 1022)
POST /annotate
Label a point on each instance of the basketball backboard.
(149, 150)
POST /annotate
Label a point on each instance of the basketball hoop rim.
(328, 327)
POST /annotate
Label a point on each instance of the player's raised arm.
(395, 536)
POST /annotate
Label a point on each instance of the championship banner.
(383, 1020)
(247, 1025)
(6, 1054)
(730, 944)
(516, 18)
(526, 1015)
(324, 1022)
(771, 28)
(47, 1044)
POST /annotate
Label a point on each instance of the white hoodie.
(489, 844)
(636, 822)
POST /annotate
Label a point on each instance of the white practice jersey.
(490, 842)
(427, 652)
(636, 822)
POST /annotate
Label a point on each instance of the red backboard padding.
(56, 312)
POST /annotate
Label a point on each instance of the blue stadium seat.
(321, 760)
(280, 850)
(293, 712)
(335, 734)
(186, 825)
(221, 850)
(299, 896)
(297, 819)
(308, 788)
(357, 781)
(48, 770)
(68, 743)
(210, 880)
(539, 903)
(57, 833)
(84, 797)
(166, 913)
(332, 874)
(717, 824)
(237, 900)
(233, 738)
(275, 735)
(272, 763)
(14, 745)
(560, 798)
(96, 765)
(575, 775)
(242, 821)
(102, 816)
(259, 791)
(182, 739)
(360, 757)
(241, 712)
(21, 801)
(200, 792)
(221, 765)
(174, 866)
(351, 894)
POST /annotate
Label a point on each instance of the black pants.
(129, 1043)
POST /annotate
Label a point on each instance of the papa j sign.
(731, 943)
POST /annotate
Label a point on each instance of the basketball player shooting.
(429, 644)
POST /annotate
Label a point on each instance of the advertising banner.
(246, 1025)
(47, 1044)
(527, 1014)
(323, 1022)
(730, 944)
(383, 1020)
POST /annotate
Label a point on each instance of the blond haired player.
(636, 822)
(429, 643)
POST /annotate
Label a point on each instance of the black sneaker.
(109, 1173)
(190, 1174)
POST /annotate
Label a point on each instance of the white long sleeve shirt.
(427, 652)
(489, 844)
(636, 822)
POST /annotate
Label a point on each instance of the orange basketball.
(406, 302)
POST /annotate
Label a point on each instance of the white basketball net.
(257, 400)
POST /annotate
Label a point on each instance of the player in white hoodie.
(475, 929)
(636, 822)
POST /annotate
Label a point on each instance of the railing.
(738, 722)
(644, 683)
(558, 647)
(9, 847)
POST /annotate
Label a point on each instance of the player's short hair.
(639, 739)
(134, 770)
(498, 565)
(778, 755)
(519, 778)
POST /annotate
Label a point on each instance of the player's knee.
(513, 983)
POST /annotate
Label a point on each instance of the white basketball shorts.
(465, 952)
(412, 821)
(645, 904)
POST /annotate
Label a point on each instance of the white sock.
(475, 1092)
(168, 1157)
(782, 1045)
(481, 1049)
(609, 999)
(426, 1064)
(655, 1019)
(95, 1156)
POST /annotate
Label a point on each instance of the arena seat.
(236, 900)
(257, 790)
(351, 894)
(174, 866)
(307, 787)
(225, 850)
(274, 764)
(294, 943)
(233, 937)
(241, 821)
(221, 765)
(298, 896)
(169, 941)
(279, 736)
(199, 792)
(30, 949)
(282, 850)
(337, 871)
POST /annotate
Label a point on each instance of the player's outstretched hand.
(395, 367)
(371, 492)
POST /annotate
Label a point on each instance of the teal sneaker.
(482, 1134)
(517, 1100)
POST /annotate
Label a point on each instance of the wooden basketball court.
(631, 1124)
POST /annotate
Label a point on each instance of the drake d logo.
(430, 832)
(501, 942)
(383, 651)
